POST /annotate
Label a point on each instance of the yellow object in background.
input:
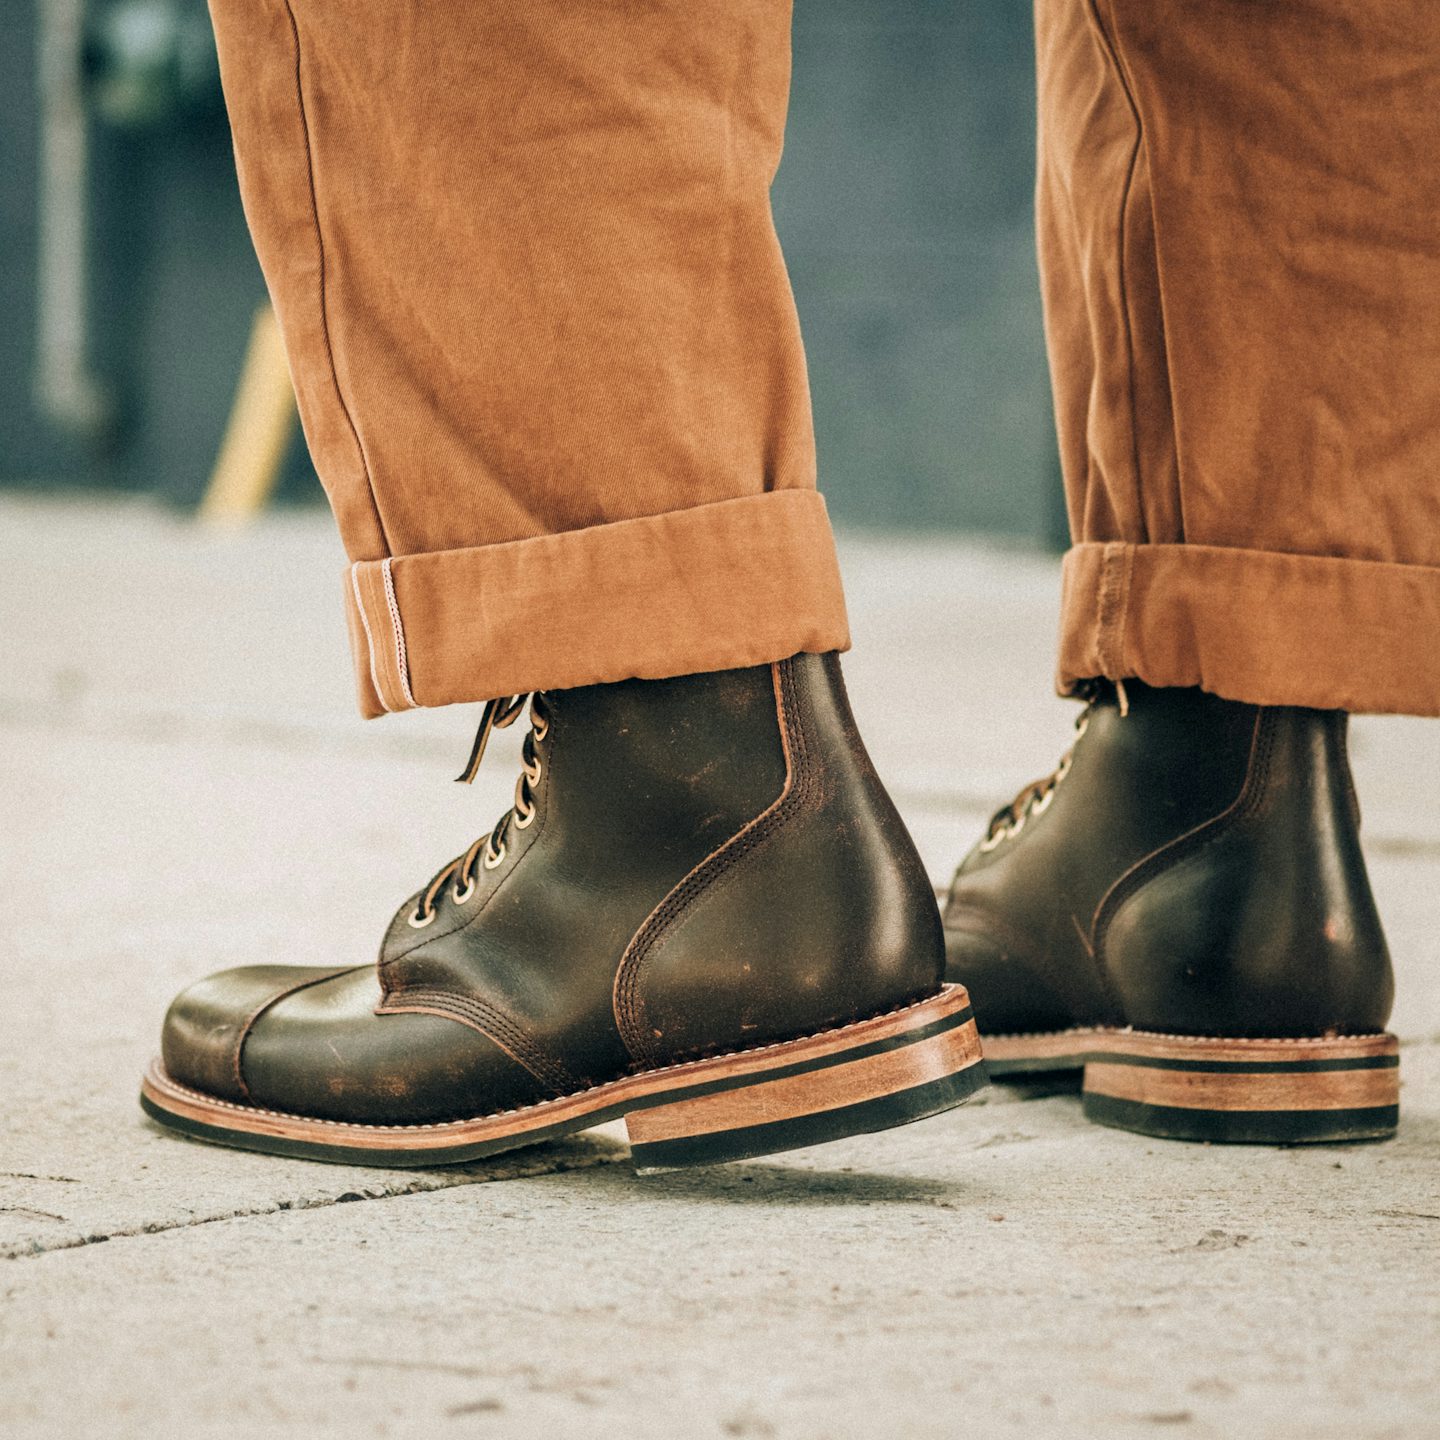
(257, 435)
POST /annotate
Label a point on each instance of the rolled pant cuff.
(739, 582)
(1254, 625)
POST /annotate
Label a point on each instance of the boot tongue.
(400, 935)
(403, 935)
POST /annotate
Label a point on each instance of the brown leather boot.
(1182, 912)
(702, 914)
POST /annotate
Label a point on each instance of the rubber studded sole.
(1250, 1092)
(871, 1075)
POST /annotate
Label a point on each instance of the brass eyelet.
(524, 818)
(993, 842)
(539, 725)
(1043, 803)
(533, 776)
(419, 920)
(463, 897)
(491, 859)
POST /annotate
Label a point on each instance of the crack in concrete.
(371, 1362)
(554, 1165)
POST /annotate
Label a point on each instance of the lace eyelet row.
(461, 871)
(1038, 801)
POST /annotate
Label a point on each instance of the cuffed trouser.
(549, 369)
(541, 333)
(1241, 266)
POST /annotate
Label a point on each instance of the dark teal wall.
(903, 202)
(905, 205)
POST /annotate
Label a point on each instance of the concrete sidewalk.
(186, 787)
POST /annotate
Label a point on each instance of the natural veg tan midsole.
(1214, 1073)
(834, 1083)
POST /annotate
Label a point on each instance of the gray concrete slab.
(186, 786)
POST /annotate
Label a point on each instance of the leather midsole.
(849, 1045)
(1212, 1072)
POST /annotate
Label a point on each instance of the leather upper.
(712, 864)
(1198, 871)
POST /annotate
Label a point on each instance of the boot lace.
(490, 850)
(1036, 797)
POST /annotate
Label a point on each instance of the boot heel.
(863, 1077)
(1258, 1092)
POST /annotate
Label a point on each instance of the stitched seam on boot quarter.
(491, 1022)
(402, 663)
(320, 273)
(794, 796)
(369, 638)
(1252, 790)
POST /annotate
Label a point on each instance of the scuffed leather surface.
(509, 998)
(644, 780)
(206, 1025)
(821, 914)
(324, 1052)
(1265, 925)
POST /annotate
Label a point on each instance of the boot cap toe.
(206, 1025)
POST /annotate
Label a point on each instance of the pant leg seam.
(402, 663)
(369, 637)
(1114, 604)
(1121, 257)
(321, 267)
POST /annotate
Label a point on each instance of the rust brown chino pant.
(550, 372)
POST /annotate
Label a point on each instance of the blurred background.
(129, 287)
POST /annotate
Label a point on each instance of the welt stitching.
(320, 279)
(743, 1052)
(1244, 805)
(710, 871)
(710, 1052)
(493, 1022)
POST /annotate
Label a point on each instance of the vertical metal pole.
(66, 390)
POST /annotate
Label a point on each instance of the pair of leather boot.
(704, 915)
